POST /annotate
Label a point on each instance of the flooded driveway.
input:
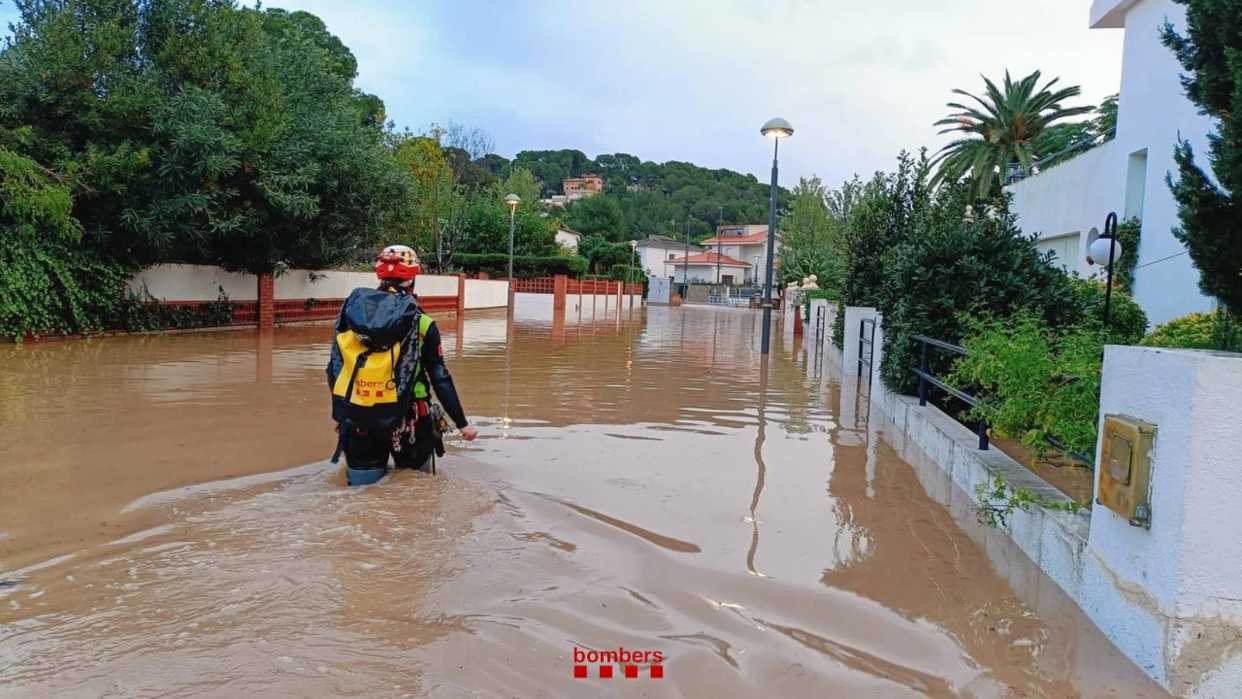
(168, 526)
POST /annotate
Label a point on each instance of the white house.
(655, 250)
(568, 239)
(747, 243)
(1127, 174)
(709, 267)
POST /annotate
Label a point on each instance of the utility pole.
(719, 242)
(685, 267)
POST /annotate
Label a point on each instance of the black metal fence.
(866, 347)
(926, 377)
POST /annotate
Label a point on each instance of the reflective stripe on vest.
(421, 390)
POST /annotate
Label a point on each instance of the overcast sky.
(679, 80)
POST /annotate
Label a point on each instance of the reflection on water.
(644, 479)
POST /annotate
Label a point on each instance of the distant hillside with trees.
(642, 197)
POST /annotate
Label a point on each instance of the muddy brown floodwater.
(169, 526)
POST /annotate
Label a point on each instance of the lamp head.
(777, 128)
(1097, 251)
(512, 201)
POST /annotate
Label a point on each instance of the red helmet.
(397, 264)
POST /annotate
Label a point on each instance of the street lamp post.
(512, 201)
(685, 267)
(633, 264)
(1108, 246)
(719, 242)
(776, 129)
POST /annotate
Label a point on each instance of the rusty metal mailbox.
(1124, 471)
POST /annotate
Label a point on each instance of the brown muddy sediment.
(640, 483)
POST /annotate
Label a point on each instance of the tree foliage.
(1211, 211)
(809, 236)
(200, 131)
(597, 216)
(1000, 129)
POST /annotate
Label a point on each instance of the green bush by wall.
(497, 265)
(1208, 331)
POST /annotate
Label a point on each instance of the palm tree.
(1001, 131)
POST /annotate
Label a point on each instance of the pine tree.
(1211, 212)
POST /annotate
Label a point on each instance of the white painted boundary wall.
(854, 315)
(430, 285)
(175, 282)
(486, 293)
(1170, 598)
(195, 283)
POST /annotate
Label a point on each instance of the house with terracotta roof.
(709, 268)
(744, 243)
(654, 250)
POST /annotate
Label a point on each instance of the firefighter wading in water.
(386, 361)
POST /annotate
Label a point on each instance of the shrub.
(1198, 331)
(1033, 381)
(626, 273)
(48, 287)
(1127, 322)
(962, 259)
(497, 264)
(1129, 235)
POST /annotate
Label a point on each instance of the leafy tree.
(199, 131)
(1211, 212)
(433, 218)
(808, 236)
(522, 182)
(603, 255)
(1000, 130)
(955, 259)
(597, 215)
(486, 227)
(1062, 141)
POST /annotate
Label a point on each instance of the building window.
(1136, 184)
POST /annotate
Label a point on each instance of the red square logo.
(379, 394)
(657, 671)
(580, 671)
(631, 671)
(605, 671)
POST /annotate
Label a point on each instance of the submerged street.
(171, 527)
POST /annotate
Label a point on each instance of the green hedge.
(497, 264)
(1209, 331)
(626, 273)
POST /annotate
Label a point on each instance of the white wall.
(195, 283)
(1153, 112)
(1170, 596)
(1056, 203)
(435, 285)
(567, 240)
(202, 283)
(298, 284)
(486, 293)
(652, 257)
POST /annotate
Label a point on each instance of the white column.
(1170, 597)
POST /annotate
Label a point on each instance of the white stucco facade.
(654, 252)
(1127, 174)
(1170, 597)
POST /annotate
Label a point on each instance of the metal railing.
(866, 340)
(926, 377)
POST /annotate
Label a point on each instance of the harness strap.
(342, 439)
(346, 426)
